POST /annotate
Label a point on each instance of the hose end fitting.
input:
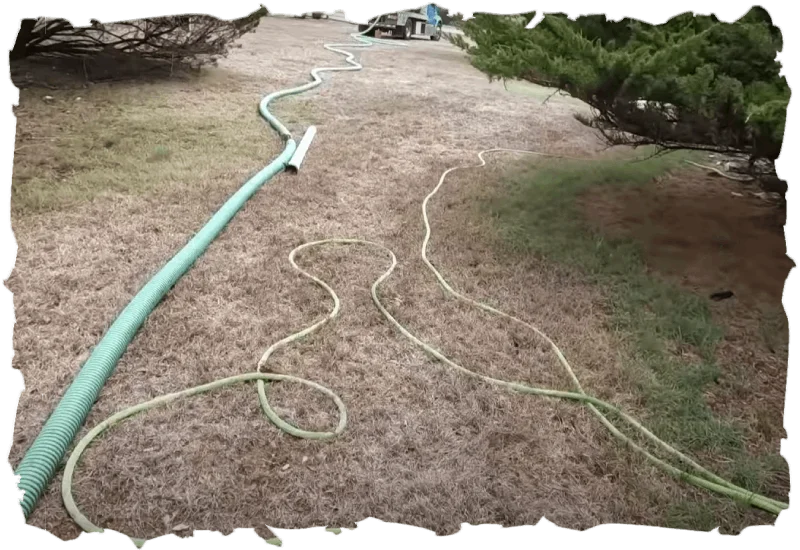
(293, 166)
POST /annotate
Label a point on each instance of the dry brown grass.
(424, 445)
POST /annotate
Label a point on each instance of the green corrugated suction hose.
(43, 458)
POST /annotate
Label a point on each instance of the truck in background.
(423, 22)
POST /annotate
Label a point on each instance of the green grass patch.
(756, 474)
(159, 153)
(541, 93)
(536, 213)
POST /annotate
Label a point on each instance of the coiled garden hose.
(698, 475)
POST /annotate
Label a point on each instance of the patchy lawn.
(108, 187)
(659, 238)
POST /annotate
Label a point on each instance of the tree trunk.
(23, 38)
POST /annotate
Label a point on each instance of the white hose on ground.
(721, 173)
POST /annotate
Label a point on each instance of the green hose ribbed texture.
(40, 463)
(43, 458)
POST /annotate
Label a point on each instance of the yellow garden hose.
(710, 482)
(698, 475)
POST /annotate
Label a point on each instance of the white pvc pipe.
(297, 159)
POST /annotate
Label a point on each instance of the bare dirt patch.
(705, 232)
(710, 234)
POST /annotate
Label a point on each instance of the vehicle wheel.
(438, 34)
(407, 29)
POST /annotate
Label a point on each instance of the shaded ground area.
(711, 235)
(111, 184)
(708, 233)
(707, 376)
